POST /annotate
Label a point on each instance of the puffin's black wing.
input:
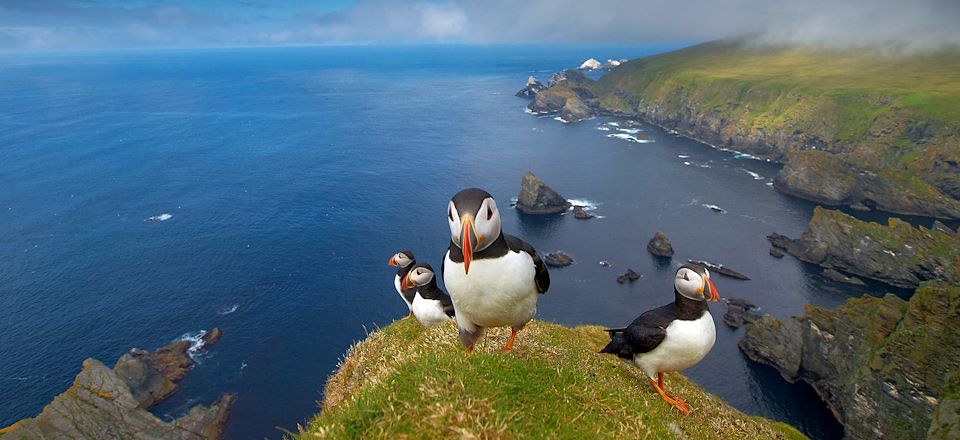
(542, 277)
(646, 332)
(447, 304)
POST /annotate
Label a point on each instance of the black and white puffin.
(403, 261)
(431, 306)
(673, 337)
(493, 278)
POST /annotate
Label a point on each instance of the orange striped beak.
(407, 283)
(393, 261)
(714, 295)
(467, 234)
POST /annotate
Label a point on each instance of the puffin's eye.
(685, 277)
(450, 214)
(489, 213)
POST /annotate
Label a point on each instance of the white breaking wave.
(769, 184)
(746, 156)
(603, 128)
(630, 130)
(159, 218)
(687, 163)
(754, 175)
(196, 342)
(530, 112)
(714, 208)
(629, 138)
(683, 156)
(588, 205)
(613, 124)
(227, 310)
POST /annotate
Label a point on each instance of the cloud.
(68, 24)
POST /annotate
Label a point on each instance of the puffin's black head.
(420, 274)
(474, 222)
(693, 281)
(401, 259)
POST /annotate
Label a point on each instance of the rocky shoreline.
(105, 403)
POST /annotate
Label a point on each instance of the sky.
(35, 25)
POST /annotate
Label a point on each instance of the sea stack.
(660, 245)
(533, 87)
(537, 198)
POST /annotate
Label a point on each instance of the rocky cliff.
(106, 403)
(404, 381)
(886, 367)
(888, 127)
(896, 253)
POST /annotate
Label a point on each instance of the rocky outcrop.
(106, 403)
(897, 253)
(628, 277)
(537, 198)
(740, 312)
(580, 213)
(841, 278)
(720, 269)
(530, 90)
(660, 245)
(557, 259)
(880, 364)
(570, 94)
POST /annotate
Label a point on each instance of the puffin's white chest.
(428, 311)
(497, 292)
(396, 284)
(686, 343)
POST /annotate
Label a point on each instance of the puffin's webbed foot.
(469, 338)
(677, 402)
(509, 344)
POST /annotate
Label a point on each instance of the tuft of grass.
(405, 381)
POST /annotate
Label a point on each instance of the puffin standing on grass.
(431, 306)
(403, 261)
(493, 278)
(673, 337)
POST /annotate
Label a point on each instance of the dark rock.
(897, 253)
(630, 276)
(859, 206)
(570, 93)
(604, 263)
(939, 226)
(531, 89)
(739, 312)
(720, 269)
(211, 337)
(841, 278)
(581, 214)
(108, 403)
(660, 245)
(882, 365)
(557, 259)
(776, 253)
(537, 198)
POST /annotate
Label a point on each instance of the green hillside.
(405, 381)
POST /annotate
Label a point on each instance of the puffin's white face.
(690, 284)
(418, 276)
(400, 259)
(483, 226)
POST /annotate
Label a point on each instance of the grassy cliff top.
(405, 381)
(929, 82)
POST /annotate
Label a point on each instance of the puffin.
(403, 261)
(431, 306)
(494, 279)
(673, 337)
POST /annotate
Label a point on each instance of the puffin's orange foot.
(676, 402)
(681, 405)
(469, 350)
(509, 344)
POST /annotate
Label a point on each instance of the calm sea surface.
(290, 176)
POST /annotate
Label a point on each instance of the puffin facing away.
(493, 278)
(403, 261)
(431, 306)
(673, 337)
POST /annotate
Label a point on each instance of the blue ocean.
(147, 196)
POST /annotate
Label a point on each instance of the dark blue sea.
(285, 179)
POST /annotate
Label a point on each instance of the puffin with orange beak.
(673, 337)
(403, 261)
(431, 305)
(493, 278)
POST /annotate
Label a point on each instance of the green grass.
(405, 381)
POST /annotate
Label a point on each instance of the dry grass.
(405, 381)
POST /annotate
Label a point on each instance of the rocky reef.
(886, 367)
(106, 403)
(897, 253)
(558, 259)
(537, 198)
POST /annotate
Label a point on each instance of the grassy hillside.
(404, 381)
(895, 115)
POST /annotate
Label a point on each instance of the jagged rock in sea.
(628, 276)
(882, 365)
(660, 245)
(841, 278)
(739, 312)
(537, 198)
(591, 64)
(896, 253)
(570, 94)
(557, 259)
(720, 269)
(580, 213)
(106, 403)
(533, 87)
(776, 253)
